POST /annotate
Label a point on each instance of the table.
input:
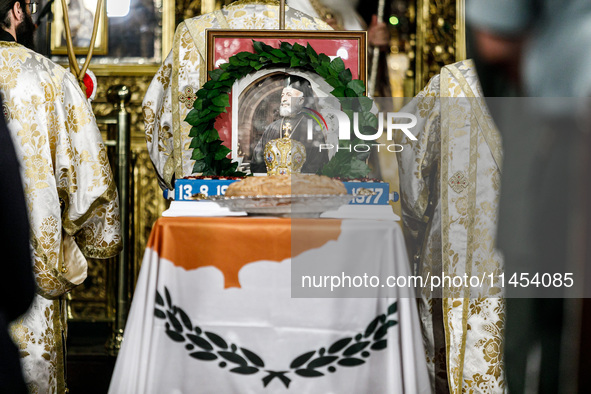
(213, 311)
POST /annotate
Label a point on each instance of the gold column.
(440, 38)
(208, 6)
(282, 15)
(119, 122)
(460, 29)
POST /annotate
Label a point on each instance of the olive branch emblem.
(208, 346)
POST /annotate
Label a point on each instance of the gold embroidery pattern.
(149, 120)
(188, 97)
(165, 135)
(10, 69)
(48, 118)
(77, 118)
(190, 54)
(163, 75)
(458, 182)
(40, 340)
(426, 104)
(453, 230)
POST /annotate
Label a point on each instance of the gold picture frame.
(81, 15)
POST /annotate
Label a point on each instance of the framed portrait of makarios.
(255, 100)
(81, 15)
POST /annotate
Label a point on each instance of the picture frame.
(254, 100)
(222, 44)
(81, 15)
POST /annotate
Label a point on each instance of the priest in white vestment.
(71, 197)
(339, 14)
(449, 183)
(168, 99)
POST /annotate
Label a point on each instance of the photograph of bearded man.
(296, 96)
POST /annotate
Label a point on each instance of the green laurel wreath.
(212, 100)
(208, 346)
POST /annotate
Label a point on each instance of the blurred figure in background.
(540, 49)
(338, 14)
(18, 288)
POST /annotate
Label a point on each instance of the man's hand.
(378, 34)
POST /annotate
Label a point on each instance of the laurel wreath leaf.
(351, 362)
(355, 348)
(185, 319)
(202, 343)
(234, 358)
(174, 321)
(372, 327)
(245, 370)
(175, 336)
(206, 356)
(339, 345)
(219, 341)
(159, 299)
(256, 360)
(309, 373)
(301, 360)
(321, 361)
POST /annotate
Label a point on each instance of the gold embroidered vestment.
(449, 182)
(71, 198)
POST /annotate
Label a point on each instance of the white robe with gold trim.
(342, 11)
(449, 183)
(168, 99)
(71, 198)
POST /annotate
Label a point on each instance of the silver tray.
(302, 205)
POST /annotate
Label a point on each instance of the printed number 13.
(187, 192)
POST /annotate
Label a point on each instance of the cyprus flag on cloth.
(213, 313)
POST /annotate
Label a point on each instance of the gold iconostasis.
(138, 34)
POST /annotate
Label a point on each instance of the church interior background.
(137, 35)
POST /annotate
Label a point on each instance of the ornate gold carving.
(439, 39)
(138, 85)
(186, 9)
(92, 300)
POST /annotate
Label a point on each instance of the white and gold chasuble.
(71, 198)
(171, 94)
(449, 182)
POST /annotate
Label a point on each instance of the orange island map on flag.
(230, 243)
